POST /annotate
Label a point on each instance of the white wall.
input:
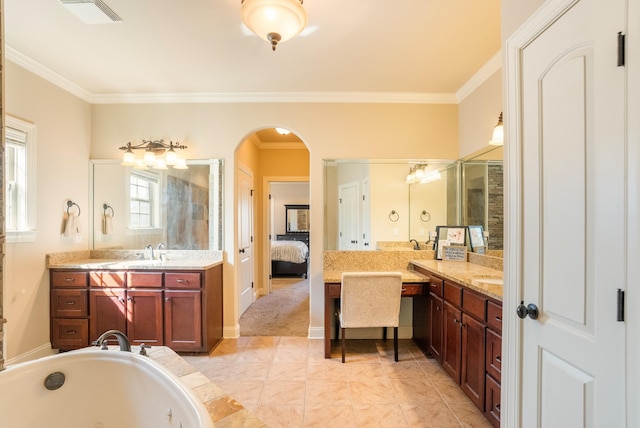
(63, 131)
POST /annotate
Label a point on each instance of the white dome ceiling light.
(275, 21)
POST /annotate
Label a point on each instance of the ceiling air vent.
(91, 11)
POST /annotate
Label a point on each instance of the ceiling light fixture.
(91, 11)
(152, 151)
(275, 21)
(283, 131)
(498, 133)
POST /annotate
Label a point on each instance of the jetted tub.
(100, 389)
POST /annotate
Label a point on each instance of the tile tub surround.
(224, 410)
(468, 274)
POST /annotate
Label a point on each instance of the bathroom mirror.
(131, 208)
(360, 195)
(297, 218)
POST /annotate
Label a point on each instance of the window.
(143, 200)
(20, 180)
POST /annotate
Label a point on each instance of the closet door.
(567, 235)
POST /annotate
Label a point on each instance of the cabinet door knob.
(167, 299)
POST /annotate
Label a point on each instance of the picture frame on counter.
(449, 236)
(476, 239)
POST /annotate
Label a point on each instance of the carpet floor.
(284, 312)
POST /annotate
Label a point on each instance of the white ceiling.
(199, 49)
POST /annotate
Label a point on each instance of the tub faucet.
(416, 246)
(123, 340)
(150, 248)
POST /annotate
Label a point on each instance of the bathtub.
(99, 389)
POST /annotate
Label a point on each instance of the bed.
(289, 256)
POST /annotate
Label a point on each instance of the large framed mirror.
(297, 218)
(131, 208)
(362, 194)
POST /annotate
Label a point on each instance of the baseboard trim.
(231, 332)
(43, 350)
(316, 332)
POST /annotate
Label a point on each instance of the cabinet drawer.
(494, 355)
(436, 285)
(182, 280)
(411, 289)
(71, 303)
(106, 279)
(494, 316)
(474, 304)
(144, 279)
(453, 293)
(492, 402)
(68, 279)
(69, 333)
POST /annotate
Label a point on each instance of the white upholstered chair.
(370, 299)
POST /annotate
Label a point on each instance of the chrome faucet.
(416, 246)
(150, 248)
(123, 340)
(161, 246)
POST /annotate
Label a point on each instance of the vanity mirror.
(131, 208)
(360, 194)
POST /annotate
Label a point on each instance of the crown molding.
(486, 71)
(494, 64)
(47, 74)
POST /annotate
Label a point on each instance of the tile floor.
(287, 382)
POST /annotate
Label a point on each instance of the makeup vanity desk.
(413, 284)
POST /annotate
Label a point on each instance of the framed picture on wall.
(476, 237)
(449, 235)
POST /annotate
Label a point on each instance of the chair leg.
(384, 333)
(395, 343)
(343, 344)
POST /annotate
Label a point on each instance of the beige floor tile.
(256, 355)
(292, 355)
(288, 371)
(283, 392)
(243, 371)
(370, 371)
(371, 392)
(433, 370)
(259, 341)
(469, 415)
(246, 393)
(294, 342)
(449, 390)
(403, 370)
(327, 370)
(408, 391)
(381, 415)
(322, 392)
(284, 416)
(329, 416)
(432, 415)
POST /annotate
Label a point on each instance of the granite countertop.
(335, 276)
(476, 277)
(115, 264)
(130, 259)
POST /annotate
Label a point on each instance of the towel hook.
(106, 207)
(70, 204)
(394, 216)
(425, 216)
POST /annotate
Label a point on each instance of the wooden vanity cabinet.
(182, 310)
(69, 310)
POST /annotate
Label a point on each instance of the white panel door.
(349, 216)
(245, 241)
(572, 224)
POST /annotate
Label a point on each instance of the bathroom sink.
(491, 281)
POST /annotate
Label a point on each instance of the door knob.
(531, 309)
(242, 250)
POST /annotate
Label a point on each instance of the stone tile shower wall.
(495, 219)
(2, 234)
